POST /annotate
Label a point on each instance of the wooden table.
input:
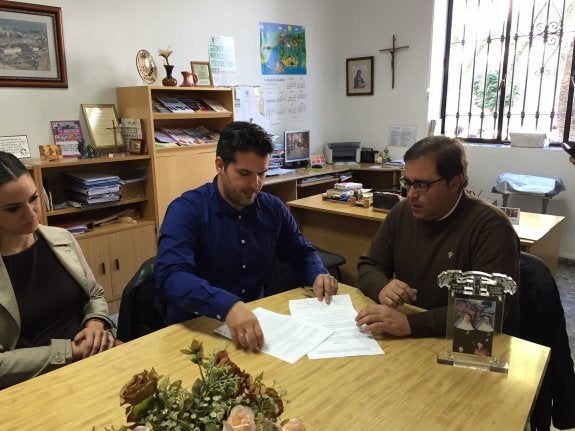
(348, 231)
(403, 389)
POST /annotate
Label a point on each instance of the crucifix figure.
(392, 51)
(114, 129)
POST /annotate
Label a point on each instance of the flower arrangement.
(166, 52)
(223, 398)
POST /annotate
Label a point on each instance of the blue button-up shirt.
(210, 255)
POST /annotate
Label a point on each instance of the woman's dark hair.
(450, 156)
(10, 168)
(243, 137)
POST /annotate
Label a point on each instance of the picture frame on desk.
(42, 64)
(103, 126)
(203, 71)
(359, 76)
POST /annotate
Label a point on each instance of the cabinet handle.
(103, 268)
(118, 264)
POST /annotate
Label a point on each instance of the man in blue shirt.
(217, 242)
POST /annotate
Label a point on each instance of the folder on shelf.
(96, 190)
(95, 199)
(93, 179)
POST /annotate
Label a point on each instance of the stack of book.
(348, 185)
(78, 227)
(92, 188)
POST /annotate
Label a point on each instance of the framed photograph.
(204, 73)
(103, 126)
(135, 146)
(359, 76)
(33, 46)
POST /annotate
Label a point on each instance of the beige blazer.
(17, 365)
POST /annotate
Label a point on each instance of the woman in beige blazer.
(52, 311)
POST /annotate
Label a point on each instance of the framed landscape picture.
(33, 46)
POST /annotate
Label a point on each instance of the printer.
(342, 152)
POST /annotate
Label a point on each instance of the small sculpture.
(86, 150)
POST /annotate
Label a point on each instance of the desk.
(403, 389)
(348, 231)
(291, 186)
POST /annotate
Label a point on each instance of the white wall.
(367, 26)
(102, 39)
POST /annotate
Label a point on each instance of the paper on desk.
(285, 338)
(347, 339)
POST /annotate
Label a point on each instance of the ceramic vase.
(169, 80)
(190, 79)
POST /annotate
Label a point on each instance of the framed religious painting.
(359, 76)
(32, 53)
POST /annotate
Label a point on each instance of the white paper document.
(339, 316)
(285, 338)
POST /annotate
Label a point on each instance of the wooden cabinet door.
(128, 249)
(95, 251)
(178, 173)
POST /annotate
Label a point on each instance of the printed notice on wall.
(402, 135)
(285, 99)
(17, 145)
(223, 60)
(248, 105)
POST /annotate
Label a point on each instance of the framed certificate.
(103, 126)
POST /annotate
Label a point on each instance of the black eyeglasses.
(419, 186)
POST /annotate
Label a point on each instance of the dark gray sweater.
(476, 236)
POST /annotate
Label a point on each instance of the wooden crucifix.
(392, 51)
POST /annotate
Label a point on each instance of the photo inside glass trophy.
(474, 319)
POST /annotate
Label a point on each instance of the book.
(174, 104)
(78, 227)
(180, 136)
(348, 185)
(195, 103)
(158, 107)
(215, 105)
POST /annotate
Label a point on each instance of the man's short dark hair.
(243, 137)
(450, 156)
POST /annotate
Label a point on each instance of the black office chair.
(139, 314)
(332, 261)
(282, 276)
(543, 322)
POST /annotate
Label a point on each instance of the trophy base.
(487, 363)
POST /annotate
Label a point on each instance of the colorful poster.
(282, 49)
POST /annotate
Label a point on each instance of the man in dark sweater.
(438, 227)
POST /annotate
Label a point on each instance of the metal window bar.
(528, 68)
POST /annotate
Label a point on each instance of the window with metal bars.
(509, 67)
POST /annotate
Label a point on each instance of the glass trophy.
(474, 318)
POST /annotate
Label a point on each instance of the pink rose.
(241, 418)
(293, 425)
